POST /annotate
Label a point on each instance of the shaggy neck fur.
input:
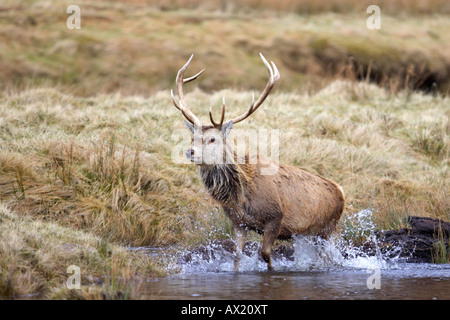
(226, 182)
(223, 181)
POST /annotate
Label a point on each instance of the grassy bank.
(105, 163)
(136, 47)
(35, 255)
(88, 130)
(81, 176)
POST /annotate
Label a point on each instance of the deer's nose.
(190, 153)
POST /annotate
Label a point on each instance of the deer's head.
(208, 145)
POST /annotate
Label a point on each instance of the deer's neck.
(223, 181)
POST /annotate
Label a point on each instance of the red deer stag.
(290, 202)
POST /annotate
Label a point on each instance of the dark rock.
(418, 242)
(209, 252)
(429, 226)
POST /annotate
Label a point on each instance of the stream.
(326, 270)
(404, 282)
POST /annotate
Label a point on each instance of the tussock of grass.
(441, 251)
(106, 168)
(35, 255)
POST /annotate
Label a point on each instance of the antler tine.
(193, 77)
(182, 106)
(217, 125)
(179, 80)
(274, 76)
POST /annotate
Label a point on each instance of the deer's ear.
(190, 126)
(226, 128)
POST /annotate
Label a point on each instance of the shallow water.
(406, 282)
(317, 270)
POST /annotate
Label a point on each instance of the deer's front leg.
(241, 235)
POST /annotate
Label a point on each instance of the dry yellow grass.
(137, 48)
(86, 122)
(103, 165)
(35, 255)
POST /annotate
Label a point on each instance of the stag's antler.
(182, 106)
(274, 76)
(217, 125)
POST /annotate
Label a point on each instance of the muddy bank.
(423, 241)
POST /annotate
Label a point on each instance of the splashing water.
(342, 267)
(311, 253)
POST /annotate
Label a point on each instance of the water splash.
(356, 247)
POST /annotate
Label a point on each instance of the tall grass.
(81, 176)
(104, 164)
(118, 181)
(35, 255)
(136, 47)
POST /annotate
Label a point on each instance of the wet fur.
(292, 201)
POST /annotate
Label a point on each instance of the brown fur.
(290, 202)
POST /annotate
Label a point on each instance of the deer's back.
(308, 203)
